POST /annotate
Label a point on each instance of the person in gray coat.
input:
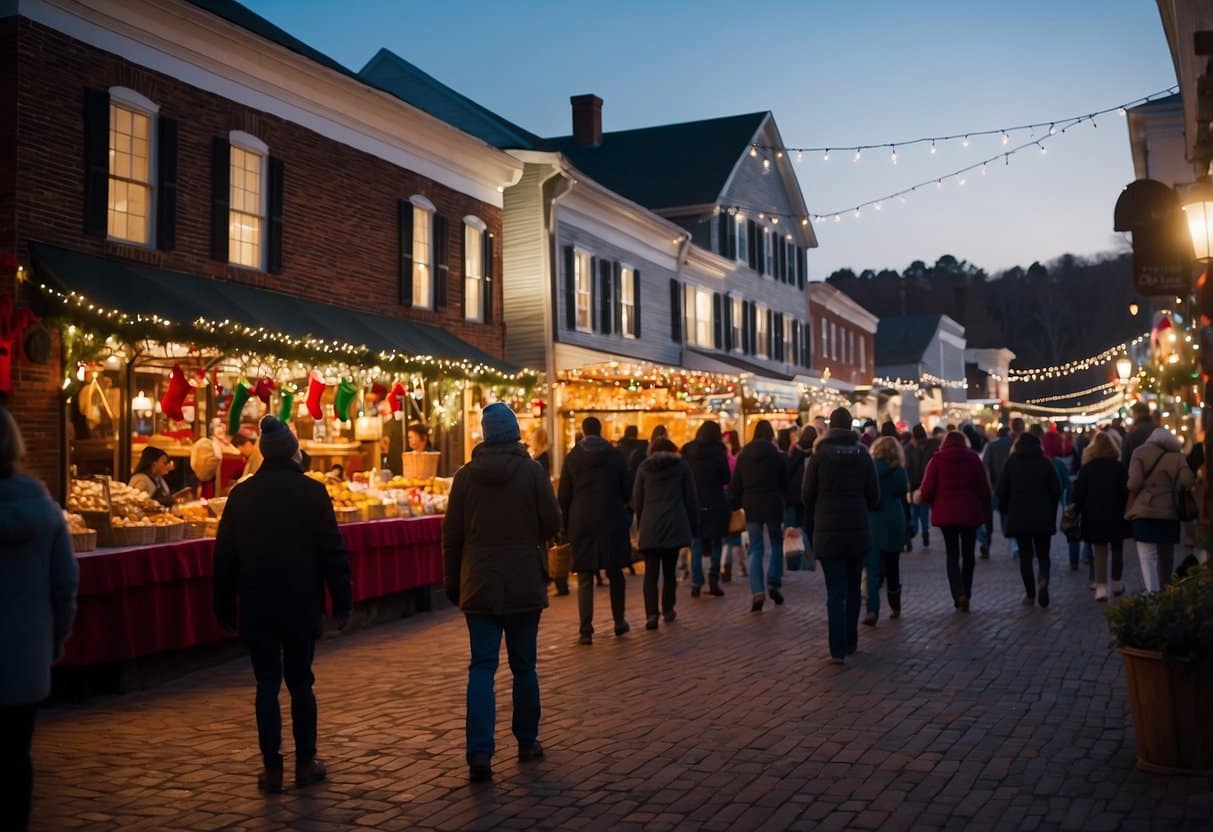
(994, 457)
(38, 577)
(595, 487)
(666, 504)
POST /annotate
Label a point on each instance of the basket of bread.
(169, 527)
(84, 539)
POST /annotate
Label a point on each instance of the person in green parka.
(888, 528)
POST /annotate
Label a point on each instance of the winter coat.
(956, 489)
(916, 464)
(665, 502)
(277, 548)
(797, 457)
(889, 522)
(1101, 492)
(1063, 477)
(760, 481)
(38, 576)
(1134, 439)
(710, 467)
(1029, 491)
(499, 517)
(1154, 498)
(595, 487)
(995, 457)
(634, 451)
(840, 488)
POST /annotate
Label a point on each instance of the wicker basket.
(420, 465)
(374, 511)
(194, 530)
(131, 536)
(170, 532)
(348, 514)
(84, 542)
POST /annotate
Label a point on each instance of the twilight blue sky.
(835, 74)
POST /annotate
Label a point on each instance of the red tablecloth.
(134, 602)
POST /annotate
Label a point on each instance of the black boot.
(895, 604)
(562, 586)
(714, 586)
(726, 573)
(926, 539)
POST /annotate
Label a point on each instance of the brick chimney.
(587, 120)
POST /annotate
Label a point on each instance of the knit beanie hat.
(277, 441)
(499, 424)
(841, 419)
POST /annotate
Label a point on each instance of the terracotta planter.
(1172, 718)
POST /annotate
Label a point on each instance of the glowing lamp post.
(1124, 369)
(1198, 210)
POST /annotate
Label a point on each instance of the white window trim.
(425, 205)
(128, 99)
(627, 283)
(478, 225)
(470, 219)
(421, 202)
(738, 322)
(743, 245)
(251, 144)
(578, 254)
(706, 340)
(760, 331)
(825, 338)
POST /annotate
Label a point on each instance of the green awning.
(147, 302)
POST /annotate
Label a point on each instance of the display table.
(149, 599)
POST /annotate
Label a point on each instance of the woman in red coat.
(957, 489)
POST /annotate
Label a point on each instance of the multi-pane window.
(701, 309)
(825, 339)
(246, 218)
(863, 354)
(835, 348)
(760, 332)
(787, 338)
(473, 272)
(423, 240)
(738, 322)
(583, 279)
(130, 178)
(769, 241)
(743, 239)
(627, 302)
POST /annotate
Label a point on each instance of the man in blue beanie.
(500, 513)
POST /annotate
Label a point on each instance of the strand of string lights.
(1102, 388)
(1054, 126)
(1076, 366)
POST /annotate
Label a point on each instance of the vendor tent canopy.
(147, 302)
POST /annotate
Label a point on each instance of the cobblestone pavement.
(1006, 718)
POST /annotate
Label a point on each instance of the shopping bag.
(793, 548)
(737, 522)
(560, 560)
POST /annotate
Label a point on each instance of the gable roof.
(394, 75)
(670, 165)
(904, 339)
(246, 18)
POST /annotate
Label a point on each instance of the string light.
(1111, 385)
(893, 156)
(1078, 365)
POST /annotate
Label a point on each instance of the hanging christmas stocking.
(174, 396)
(378, 392)
(239, 399)
(315, 389)
(346, 393)
(265, 385)
(286, 403)
(396, 395)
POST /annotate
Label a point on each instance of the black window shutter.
(717, 321)
(770, 333)
(806, 350)
(762, 252)
(221, 160)
(96, 162)
(440, 266)
(752, 244)
(722, 233)
(166, 183)
(728, 323)
(486, 285)
(605, 302)
(800, 266)
(636, 303)
(273, 258)
(747, 328)
(570, 288)
(405, 223)
(778, 331)
(794, 347)
(753, 314)
(617, 295)
(781, 260)
(675, 311)
(732, 255)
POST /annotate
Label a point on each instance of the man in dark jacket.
(710, 466)
(277, 548)
(1143, 426)
(500, 513)
(595, 488)
(1028, 492)
(917, 458)
(759, 482)
(630, 445)
(666, 505)
(840, 488)
(994, 457)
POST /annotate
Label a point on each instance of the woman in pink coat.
(957, 489)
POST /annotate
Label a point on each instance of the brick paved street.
(1008, 718)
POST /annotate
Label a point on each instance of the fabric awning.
(138, 300)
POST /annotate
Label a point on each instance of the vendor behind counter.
(154, 465)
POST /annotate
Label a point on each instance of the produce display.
(89, 495)
(396, 497)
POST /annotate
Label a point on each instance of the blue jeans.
(842, 604)
(714, 548)
(774, 577)
(920, 519)
(871, 563)
(521, 643)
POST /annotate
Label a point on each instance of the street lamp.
(1198, 209)
(1133, 309)
(1124, 368)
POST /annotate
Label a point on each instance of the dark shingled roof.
(903, 339)
(245, 18)
(670, 165)
(396, 76)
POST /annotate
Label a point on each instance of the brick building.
(169, 138)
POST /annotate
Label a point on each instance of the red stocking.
(315, 389)
(174, 396)
(397, 393)
(265, 385)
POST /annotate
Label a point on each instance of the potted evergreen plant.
(1166, 639)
